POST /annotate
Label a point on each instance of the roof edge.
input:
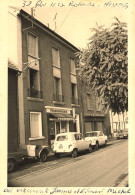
(48, 29)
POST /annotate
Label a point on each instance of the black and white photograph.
(68, 126)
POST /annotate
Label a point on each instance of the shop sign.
(54, 110)
(62, 119)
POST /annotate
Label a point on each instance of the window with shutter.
(72, 66)
(32, 45)
(88, 102)
(35, 124)
(55, 57)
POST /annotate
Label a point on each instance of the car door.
(101, 138)
(80, 142)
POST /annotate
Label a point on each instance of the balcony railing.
(74, 100)
(58, 98)
(34, 93)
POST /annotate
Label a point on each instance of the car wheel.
(43, 156)
(97, 146)
(90, 149)
(57, 155)
(74, 153)
(11, 165)
(105, 143)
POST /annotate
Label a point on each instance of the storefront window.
(72, 126)
(63, 127)
(57, 127)
(52, 130)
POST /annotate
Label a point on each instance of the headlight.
(93, 140)
(69, 145)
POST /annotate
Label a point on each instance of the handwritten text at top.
(43, 3)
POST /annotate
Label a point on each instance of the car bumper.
(62, 150)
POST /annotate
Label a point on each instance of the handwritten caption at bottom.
(56, 190)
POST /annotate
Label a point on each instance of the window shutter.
(55, 57)
(32, 45)
(72, 64)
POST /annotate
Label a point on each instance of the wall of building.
(93, 116)
(12, 111)
(45, 43)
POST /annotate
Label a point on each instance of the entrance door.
(88, 126)
(57, 127)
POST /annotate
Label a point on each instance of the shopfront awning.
(61, 117)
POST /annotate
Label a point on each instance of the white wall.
(12, 36)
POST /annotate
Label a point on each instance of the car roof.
(68, 133)
(93, 131)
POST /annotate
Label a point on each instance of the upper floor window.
(98, 104)
(74, 93)
(72, 65)
(57, 87)
(55, 57)
(88, 102)
(32, 45)
(57, 96)
(33, 71)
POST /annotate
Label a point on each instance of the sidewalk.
(122, 181)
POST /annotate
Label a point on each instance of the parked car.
(97, 138)
(35, 152)
(120, 134)
(70, 143)
(30, 152)
(13, 159)
(125, 133)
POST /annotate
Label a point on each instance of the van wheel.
(90, 149)
(11, 165)
(97, 146)
(43, 156)
(74, 153)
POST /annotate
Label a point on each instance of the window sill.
(58, 67)
(36, 138)
(75, 105)
(56, 102)
(74, 74)
(35, 99)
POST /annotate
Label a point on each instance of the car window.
(94, 134)
(100, 134)
(77, 137)
(62, 138)
(88, 134)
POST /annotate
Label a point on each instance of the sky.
(75, 23)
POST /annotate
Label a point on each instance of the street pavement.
(106, 167)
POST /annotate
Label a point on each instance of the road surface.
(102, 168)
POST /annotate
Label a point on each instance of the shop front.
(94, 123)
(60, 120)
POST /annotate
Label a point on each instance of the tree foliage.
(104, 65)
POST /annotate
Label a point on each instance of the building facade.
(50, 85)
(13, 134)
(14, 82)
(118, 122)
(94, 118)
(50, 98)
